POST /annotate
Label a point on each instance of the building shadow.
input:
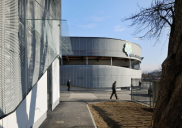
(148, 109)
(105, 116)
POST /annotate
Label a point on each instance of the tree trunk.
(168, 110)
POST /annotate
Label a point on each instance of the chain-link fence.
(141, 91)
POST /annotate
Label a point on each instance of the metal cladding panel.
(26, 52)
(77, 46)
(95, 46)
(52, 6)
(10, 54)
(89, 46)
(135, 81)
(98, 76)
(12, 86)
(65, 42)
(83, 46)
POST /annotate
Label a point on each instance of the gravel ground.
(121, 115)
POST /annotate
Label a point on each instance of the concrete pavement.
(72, 112)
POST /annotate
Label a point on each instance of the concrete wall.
(55, 83)
(33, 109)
(97, 76)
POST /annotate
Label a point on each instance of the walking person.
(140, 83)
(68, 84)
(114, 90)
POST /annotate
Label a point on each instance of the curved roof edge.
(103, 37)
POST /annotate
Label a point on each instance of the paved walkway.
(72, 112)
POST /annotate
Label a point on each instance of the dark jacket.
(140, 83)
(114, 87)
(68, 83)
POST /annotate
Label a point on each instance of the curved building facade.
(97, 62)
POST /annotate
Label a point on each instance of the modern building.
(33, 39)
(97, 62)
(31, 44)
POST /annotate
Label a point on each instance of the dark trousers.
(114, 92)
(68, 88)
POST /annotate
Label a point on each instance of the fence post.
(131, 89)
(150, 94)
(150, 100)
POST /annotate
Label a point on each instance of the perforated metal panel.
(43, 37)
(1, 56)
(65, 43)
(97, 76)
(135, 81)
(10, 54)
(26, 52)
(96, 46)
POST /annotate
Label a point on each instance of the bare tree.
(166, 13)
(154, 19)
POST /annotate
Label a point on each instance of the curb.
(91, 116)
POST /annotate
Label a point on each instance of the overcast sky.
(102, 18)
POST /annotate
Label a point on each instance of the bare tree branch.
(153, 19)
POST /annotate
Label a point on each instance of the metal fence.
(142, 92)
